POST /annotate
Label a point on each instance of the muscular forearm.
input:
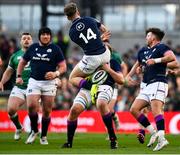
(7, 75)
(62, 67)
(124, 69)
(167, 59)
(173, 65)
(133, 69)
(118, 77)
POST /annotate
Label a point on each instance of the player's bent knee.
(133, 110)
(11, 111)
(74, 113)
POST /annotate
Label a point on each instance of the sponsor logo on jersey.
(19, 57)
(80, 26)
(41, 57)
(49, 50)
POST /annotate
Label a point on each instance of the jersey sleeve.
(115, 65)
(27, 54)
(138, 57)
(139, 53)
(116, 55)
(59, 54)
(164, 48)
(11, 62)
(96, 21)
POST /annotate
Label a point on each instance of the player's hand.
(139, 69)
(150, 62)
(58, 83)
(1, 86)
(106, 67)
(19, 81)
(130, 81)
(106, 36)
(173, 72)
(50, 75)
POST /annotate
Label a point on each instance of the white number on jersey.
(90, 35)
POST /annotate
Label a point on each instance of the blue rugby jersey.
(156, 72)
(43, 59)
(85, 33)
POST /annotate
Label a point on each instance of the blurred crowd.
(67, 92)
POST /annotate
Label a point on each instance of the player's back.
(85, 32)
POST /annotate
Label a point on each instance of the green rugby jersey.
(13, 63)
(116, 55)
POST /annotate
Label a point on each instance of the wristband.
(18, 76)
(157, 60)
(125, 82)
(57, 73)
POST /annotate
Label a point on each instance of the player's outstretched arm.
(128, 79)
(117, 76)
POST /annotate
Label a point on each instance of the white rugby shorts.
(17, 92)
(156, 90)
(89, 63)
(115, 94)
(46, 87)
(105, 92)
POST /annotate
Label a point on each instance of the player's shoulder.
(114, 61)
(144, 48)
(55, 47)
(52, 45)
(89, 19)
(17, 53)
(34, 45)
(162, 45)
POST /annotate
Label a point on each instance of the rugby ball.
(99, 77)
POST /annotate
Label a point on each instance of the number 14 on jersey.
(90, 35)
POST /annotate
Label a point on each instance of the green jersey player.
(17, 96)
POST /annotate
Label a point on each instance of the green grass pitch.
(84, 144)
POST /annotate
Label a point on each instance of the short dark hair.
(25, 33)
(44, 30)
(157, 32)
(70, 9)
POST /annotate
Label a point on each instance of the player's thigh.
(102, 106)
(105, 93)
(14, 103)
(47, 102)
(113, 100)
(83, 98)
(76, 72)
(33, 100)
(81, 102)
(112, 104)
